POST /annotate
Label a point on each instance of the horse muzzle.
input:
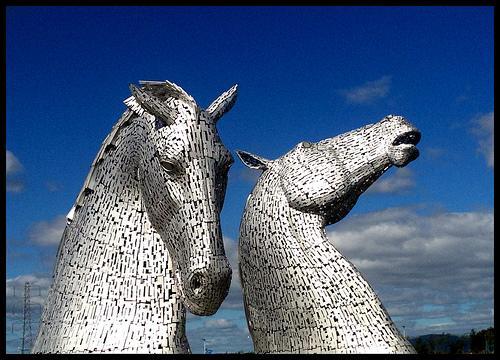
(403, 149)
(206, 287)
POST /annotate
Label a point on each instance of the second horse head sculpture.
(301, 294)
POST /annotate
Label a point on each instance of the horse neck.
(301, 230)
(114, 213)
(297, 246)
(117, 264)
(114, 198)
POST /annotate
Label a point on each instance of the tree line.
(481, 342)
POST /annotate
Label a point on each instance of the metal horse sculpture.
(143, 240)
(300, 294)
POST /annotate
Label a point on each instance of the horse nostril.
(196, 282)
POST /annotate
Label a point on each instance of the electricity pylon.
(27, 339)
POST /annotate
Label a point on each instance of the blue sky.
(304, 73)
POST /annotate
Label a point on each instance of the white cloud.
(14, 306)
(219, 323)
(401, 181)
(14, 185)
(483, 130)
(427, 269)
(48, 233)
(221, 335)
(14, 294)
(13, 166)
(52, 186)
(368, 91)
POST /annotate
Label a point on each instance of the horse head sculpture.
(328, 177)
(182, 173)
(143, 240)
(300, 293)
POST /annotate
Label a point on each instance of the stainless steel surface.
(300, 294)
(143, 240)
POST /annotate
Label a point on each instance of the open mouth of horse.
(410, 137)
(403, 150)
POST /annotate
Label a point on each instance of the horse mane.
(163, 91)
(106, 146)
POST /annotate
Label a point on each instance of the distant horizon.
(421, 235)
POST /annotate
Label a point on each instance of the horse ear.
(253, 161)
(153, 105)
(223, 103)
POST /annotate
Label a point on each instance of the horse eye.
(168, 166)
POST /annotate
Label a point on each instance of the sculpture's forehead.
(368, 135)
(354, 142)
(194, 139)
(310, 151)
(356, 135)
